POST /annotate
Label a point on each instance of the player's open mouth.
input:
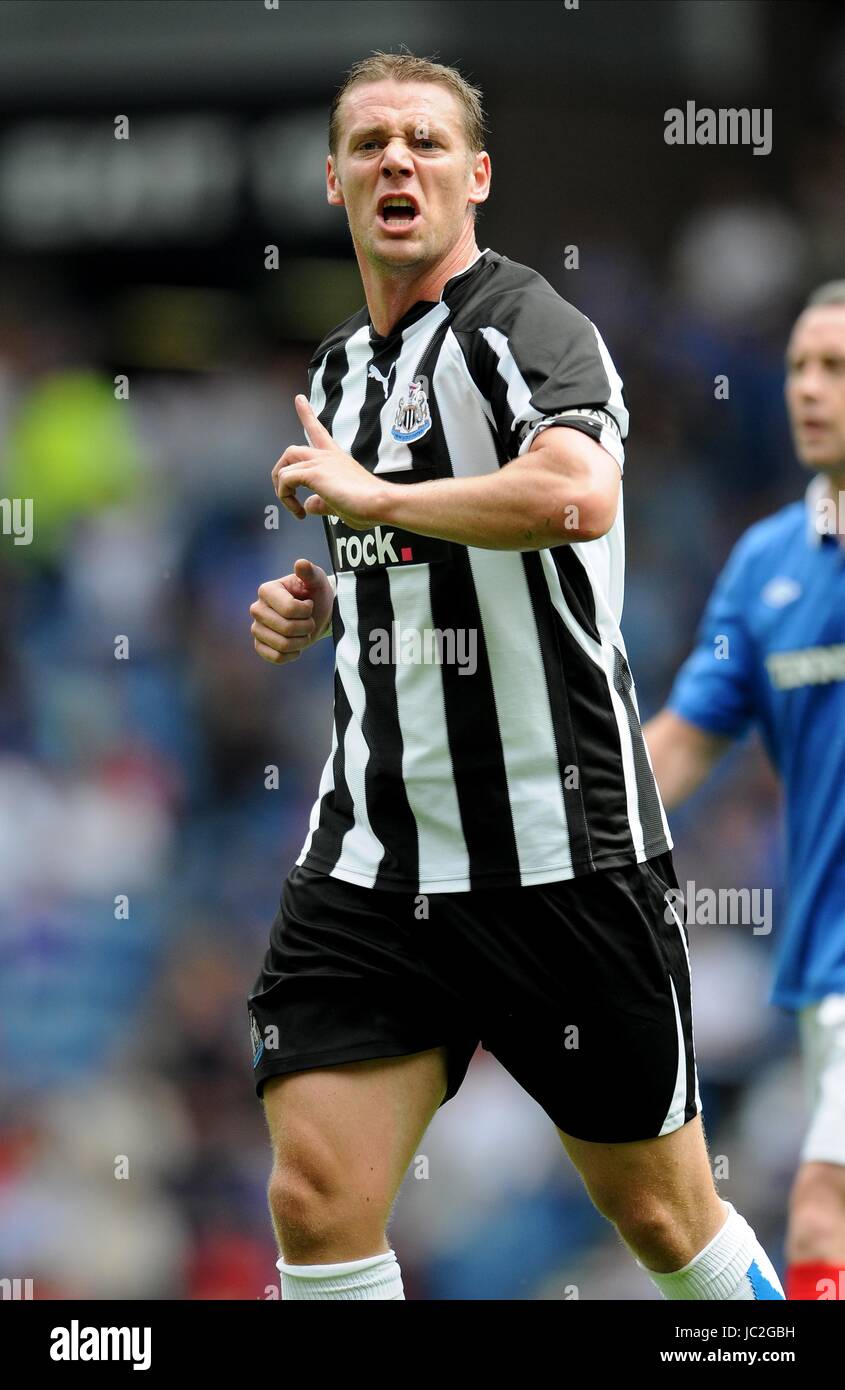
(398, 214)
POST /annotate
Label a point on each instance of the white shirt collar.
(818, 488)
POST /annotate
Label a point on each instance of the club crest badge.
(413, 417)
(780, 591)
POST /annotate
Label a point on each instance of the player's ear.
(334, 191)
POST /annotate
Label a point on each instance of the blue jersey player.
(771, 653)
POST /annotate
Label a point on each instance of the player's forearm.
(514, 509)
(681, 755)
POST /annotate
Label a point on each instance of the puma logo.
(377, 376)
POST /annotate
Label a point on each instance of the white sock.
(732, 1266)
(376, 1276)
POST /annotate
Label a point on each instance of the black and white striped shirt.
(507, 751)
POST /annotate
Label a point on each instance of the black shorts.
(580, 988)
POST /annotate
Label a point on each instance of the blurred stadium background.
(145, 777)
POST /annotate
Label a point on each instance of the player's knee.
(304, 1214)
(314, 1213)
(621, 1202)
(647, 1224)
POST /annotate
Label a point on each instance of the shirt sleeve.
(540, 363)
(715, 686)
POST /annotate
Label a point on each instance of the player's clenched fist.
(292, 613)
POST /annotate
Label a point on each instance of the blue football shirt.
(770, 653)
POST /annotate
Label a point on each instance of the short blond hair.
(407, 67)
(831, 293)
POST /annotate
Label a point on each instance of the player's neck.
(390, 294)
(836, 481)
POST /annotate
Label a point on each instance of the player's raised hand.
(292, 613)
(339, 485)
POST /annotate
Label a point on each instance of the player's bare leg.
(343, 1138)
(815, 1244)
(659, 1193)
(660, 1196)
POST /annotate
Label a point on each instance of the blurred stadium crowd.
(143, 839)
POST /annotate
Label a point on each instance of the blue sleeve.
(715, 686)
